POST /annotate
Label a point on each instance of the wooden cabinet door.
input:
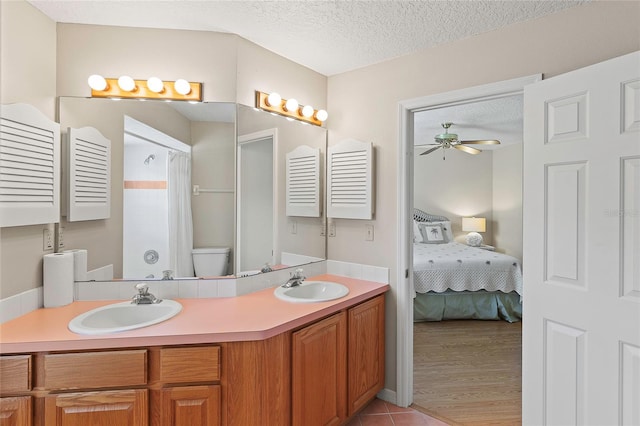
(189, 406)
(319, 373)
(15, 411)
(103, 408)
(366, 352)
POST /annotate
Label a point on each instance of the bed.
(455, 281)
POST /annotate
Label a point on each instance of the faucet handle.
(143, 289)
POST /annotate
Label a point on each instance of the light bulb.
(97, 82)
(182, 86)
(322, 115)
(126, 83)
(155, 84)
(291, 105)
(274, 99)
(307, 111)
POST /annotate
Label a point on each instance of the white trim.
(405, 206)
(388, 395)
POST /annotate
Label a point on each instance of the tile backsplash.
(23, 303)
(20, 304)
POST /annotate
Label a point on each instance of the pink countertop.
(255, 316)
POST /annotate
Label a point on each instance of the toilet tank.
(210, 261)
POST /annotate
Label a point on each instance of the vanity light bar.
(290, 108)
(127, 88)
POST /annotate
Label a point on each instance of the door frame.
(242, 141)
(404, 270)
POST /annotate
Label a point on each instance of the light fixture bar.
(263, 103)
(142, 91)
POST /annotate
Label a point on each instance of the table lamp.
(474, 225)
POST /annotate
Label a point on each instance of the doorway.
(256, 202)
(406, 203)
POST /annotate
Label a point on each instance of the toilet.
(210, 261)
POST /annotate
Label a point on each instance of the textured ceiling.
(329, 37)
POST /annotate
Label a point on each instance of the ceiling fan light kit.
(450, 140)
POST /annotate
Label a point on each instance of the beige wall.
(28, 74)
(263, 70)
(460, 186)
(213, 167)
(206, 57)
(364, 105)
(507, 200)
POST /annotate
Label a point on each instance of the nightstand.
(486, 247)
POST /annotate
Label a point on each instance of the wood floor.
(468, 372)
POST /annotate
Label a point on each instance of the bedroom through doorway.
(467, 334)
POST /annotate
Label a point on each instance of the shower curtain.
(180, 218)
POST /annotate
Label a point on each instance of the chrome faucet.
(295, 279)
(144, 297)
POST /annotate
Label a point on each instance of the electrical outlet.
(369, 236)
(59, 236)
(47, 240)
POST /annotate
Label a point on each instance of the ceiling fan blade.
(429, 151)
(467, 149)
(481, 142)
(426, 144)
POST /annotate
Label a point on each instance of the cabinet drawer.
(15, 371)
(185, 364)
(90, 370)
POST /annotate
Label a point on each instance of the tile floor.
(381, 413)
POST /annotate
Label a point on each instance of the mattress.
(455, 266)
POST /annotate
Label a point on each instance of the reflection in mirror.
(265, 233)
(137, 240)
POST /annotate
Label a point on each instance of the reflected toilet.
(210, 261)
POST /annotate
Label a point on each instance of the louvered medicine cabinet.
(32, 166)
(350, 180)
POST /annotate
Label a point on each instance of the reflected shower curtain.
(180, 219)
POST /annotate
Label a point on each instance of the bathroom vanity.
(246, 360)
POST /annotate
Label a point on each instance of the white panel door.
(581, 259)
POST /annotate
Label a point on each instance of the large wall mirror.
(235, 198)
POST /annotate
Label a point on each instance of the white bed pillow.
(417, 235)
(432, 233)
(446, 229)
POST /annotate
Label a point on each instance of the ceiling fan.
(448, 140)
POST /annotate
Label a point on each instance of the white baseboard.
(388, 395)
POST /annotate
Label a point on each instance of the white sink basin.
(123, 316)
(312, 291)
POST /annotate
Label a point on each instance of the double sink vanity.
(262, 358)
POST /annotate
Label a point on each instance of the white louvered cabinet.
(87, 172)
(350, 180)
(303, 182)
(29, 167)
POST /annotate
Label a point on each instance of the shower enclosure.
(156, 169)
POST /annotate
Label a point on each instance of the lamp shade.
(474, 224)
